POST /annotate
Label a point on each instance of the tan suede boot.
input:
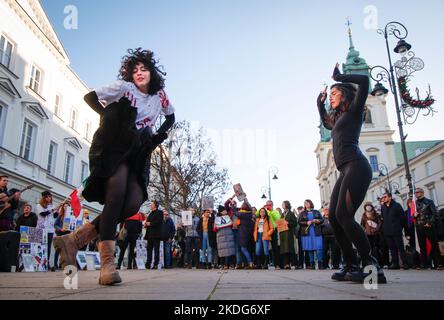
(108, 272)
(69, 244)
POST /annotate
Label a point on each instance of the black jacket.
(117, 140)
(212, 236)
(303, 222)
(154, 231)
(427, 213)
(326, 228)
(29, 221)
(393, 219)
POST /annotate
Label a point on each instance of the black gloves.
(158, 138)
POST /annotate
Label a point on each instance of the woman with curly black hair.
(347, 101)
(120, 154)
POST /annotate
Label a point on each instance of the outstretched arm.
(361, 80)
(321, 108)
(93, 101)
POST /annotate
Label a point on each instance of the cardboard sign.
(208, 203)
(81, 259)
(141, 249)
(27, 261)
(281, 225)
(90, 263)
(223, 221)
(140, 262)
(239, 192)
(187, 218)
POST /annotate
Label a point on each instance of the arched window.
(367, 116)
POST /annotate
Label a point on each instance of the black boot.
(359, 276)
(345, 272)
(259, 262)
(265, 264)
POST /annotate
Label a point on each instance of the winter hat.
(220, 209)
(46, 194)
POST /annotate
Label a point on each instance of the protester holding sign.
(246, 228)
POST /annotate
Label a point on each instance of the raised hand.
(324, 94)
(336, 71)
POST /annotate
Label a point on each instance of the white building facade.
(45, 126)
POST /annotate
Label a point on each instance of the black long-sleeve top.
(346, 129)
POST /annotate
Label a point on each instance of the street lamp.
(404, 69)
(391, 185)
(273, 171)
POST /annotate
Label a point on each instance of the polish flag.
(76, 204)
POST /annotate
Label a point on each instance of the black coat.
(326, 228)
(212, 236)
(246, 228)
(155, 230)
(29, 221)
(115, 141)
(393, 219)
(303, 222)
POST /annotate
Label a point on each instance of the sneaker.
(344, 273)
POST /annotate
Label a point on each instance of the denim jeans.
(168, 254)
(247, 254)
(261, 245)
(319, 254)
(236, 243)
(204, 258)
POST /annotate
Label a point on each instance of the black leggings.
(348, 194)
(123, 198)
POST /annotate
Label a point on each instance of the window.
(52, 155)
(73, 120)
(2, 126)
(88, 131)
(401, 181)
(414, 175)
(84, 171)
(319, 162)
(36, 77)
(374, 163)
(6, 48)
(368, 116)
(69, 165)
(58, 105)
(442, 159)
(373, 196)
(433, 195)
(428, 168)
(420, 151)
(28, 140)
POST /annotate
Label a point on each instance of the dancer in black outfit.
(345, 120)
(120, 154)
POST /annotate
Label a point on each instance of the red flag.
(428, 247)
(413, 210)
(76, 206)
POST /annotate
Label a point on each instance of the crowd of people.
(245, 237)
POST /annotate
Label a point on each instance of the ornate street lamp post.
(405, 67)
